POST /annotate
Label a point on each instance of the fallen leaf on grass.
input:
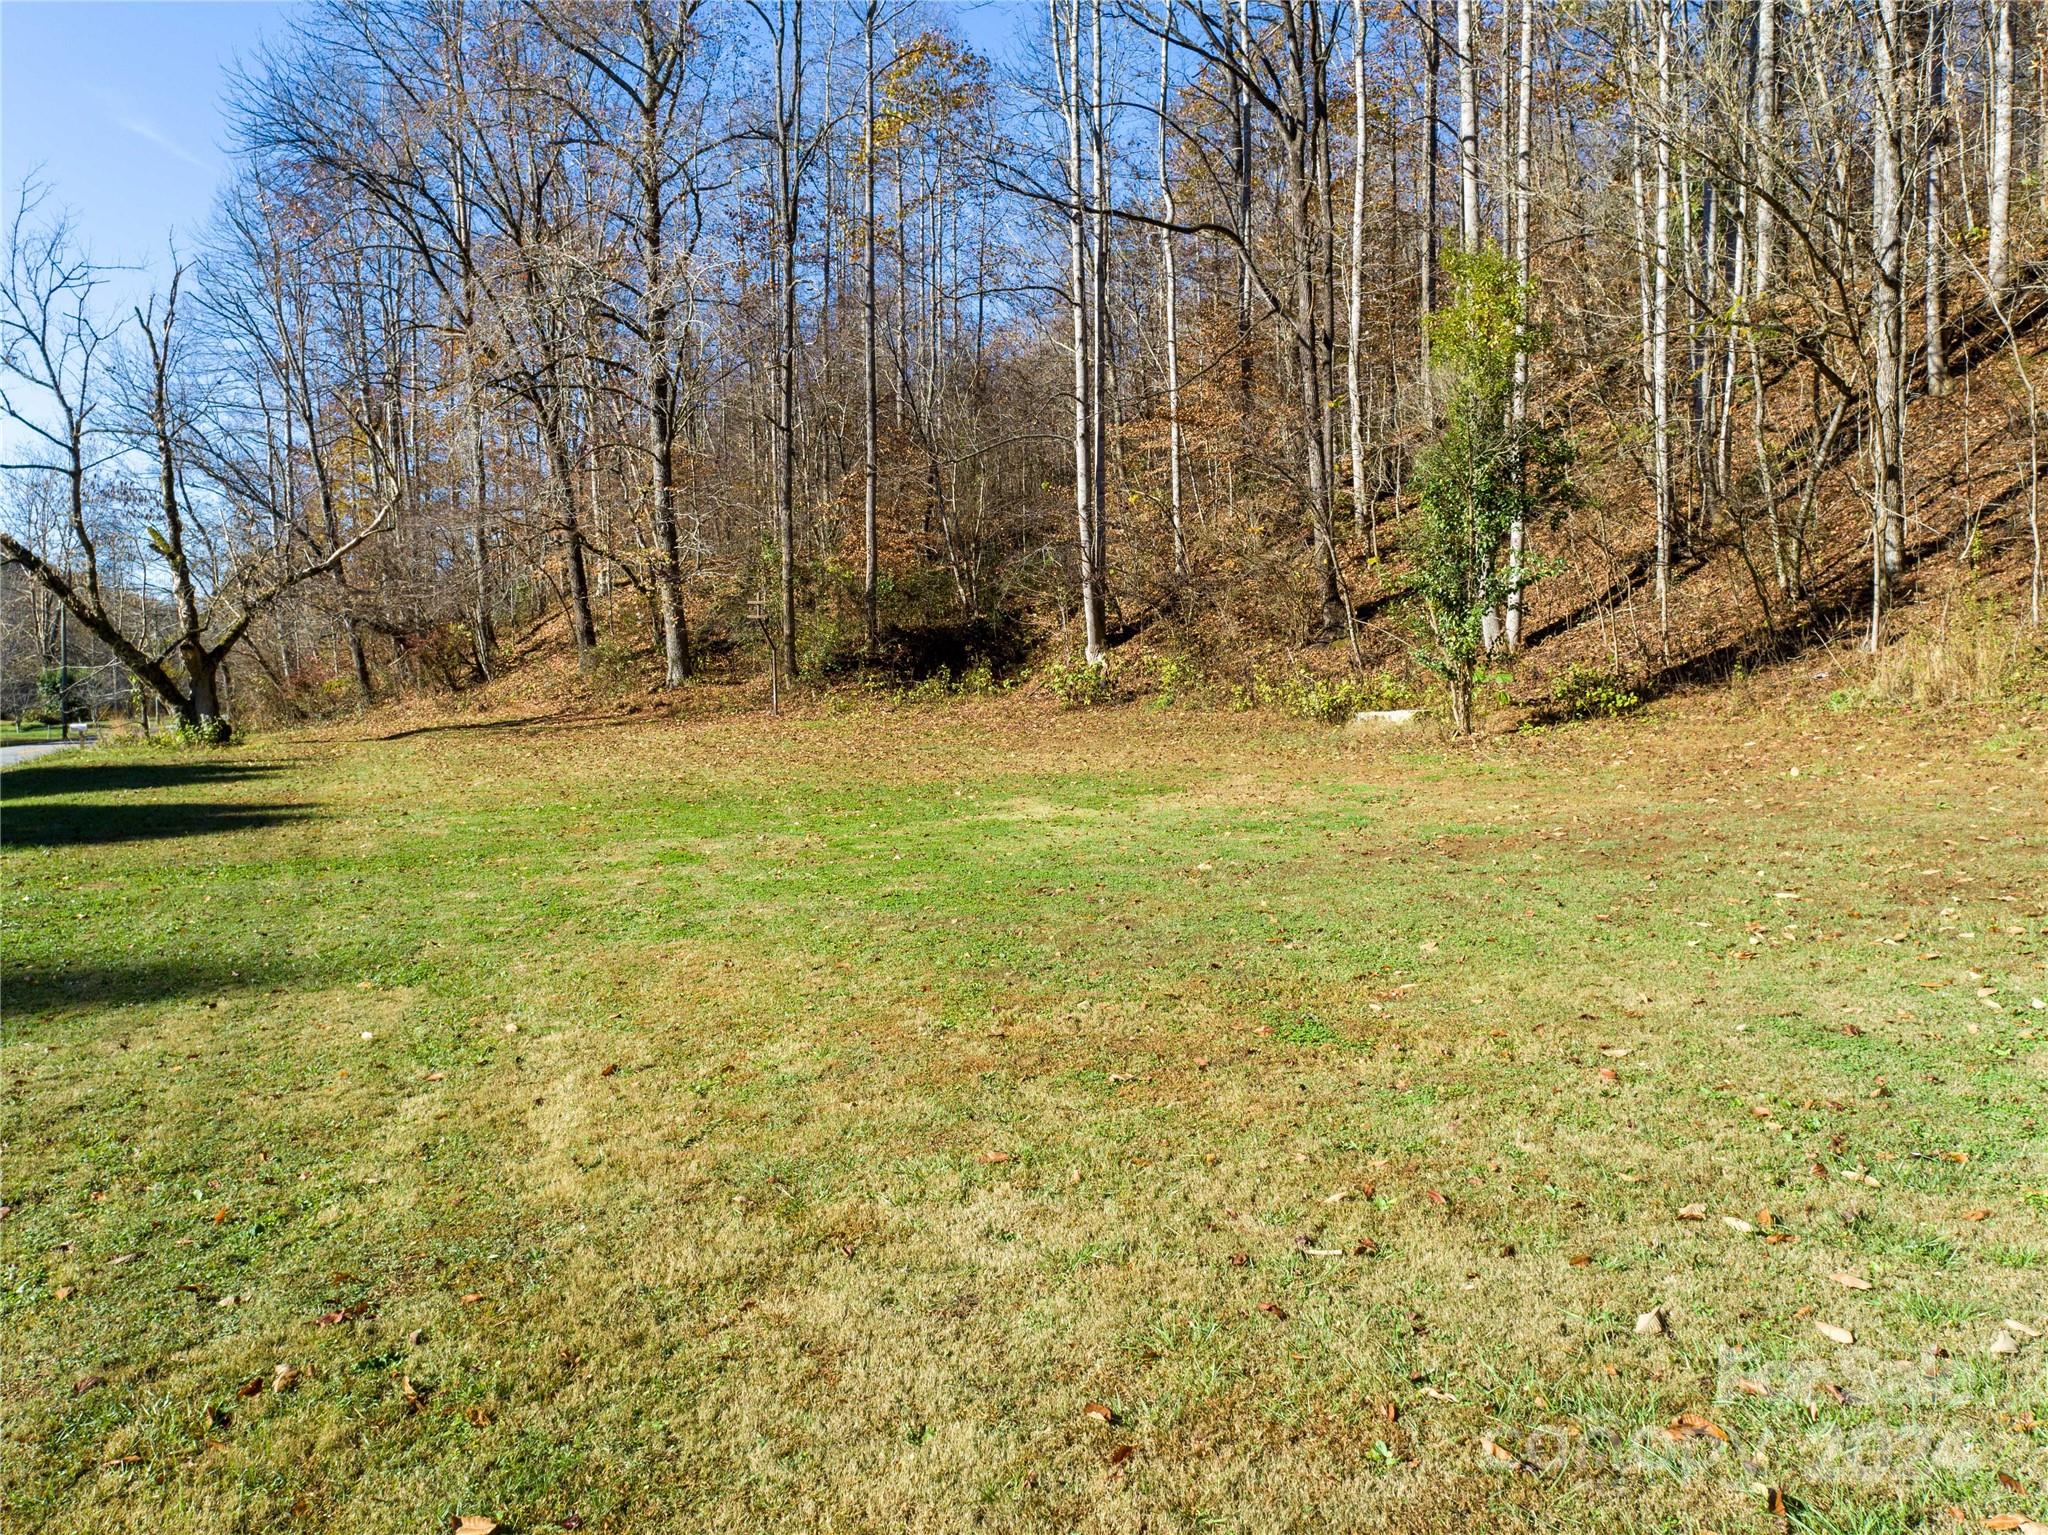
(1690, 1425)
(1651, 1324)
(1436, 1198)
(993, 1158)
(1492, 1447)
(1850, 1281)
(64, 1291)
(86, 1383)
(471, 1298)
(1976, 1215)
(253, 1386)
(1122, 1453)
(120, 1258)
(1272, 1309)
(286, 1377)
(473, 1524)
(2010, 1483)
(1752, 1387)
(610, 1070)
(1580, 1260)
(1692, 1213)
(2021, 1328)
(1099, 1411)
(1833, 1333)
(1737, 1224)
(2004, 1344)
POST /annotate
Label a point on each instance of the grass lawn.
(991, 1119)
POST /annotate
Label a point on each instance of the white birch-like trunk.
(1168, 281)
(1519, 402)
(1998, 255)
(1468, 126)
(1356, 295)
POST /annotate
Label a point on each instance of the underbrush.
(1978, 653)
(1306, 695)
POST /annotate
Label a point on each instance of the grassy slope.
(959, 1085)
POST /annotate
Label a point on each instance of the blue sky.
(118, 103)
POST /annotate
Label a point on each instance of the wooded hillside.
(1391, 340)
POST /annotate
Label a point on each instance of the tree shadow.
(39, 993)
(52, 778)
(69, 823)
(435, 730)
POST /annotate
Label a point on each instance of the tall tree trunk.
(789, 81)
(1660, 322)
(1936, 139)
(1519, 402)
(1068, 58)
(1170, 302)
(1888, 196)
(1432, 61)
(1360, 499)
(1100, 384)
(1998, 255)
(1468, 126)
(871, 566)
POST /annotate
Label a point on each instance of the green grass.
(796, 1125)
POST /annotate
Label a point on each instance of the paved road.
(10, 755)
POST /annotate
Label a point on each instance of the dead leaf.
(471, 1298)
(1850, 1281)
(287, 1376)
(86, 1383)
(2021, 1328)
(1976, 1215)
(473, 1524)
(993, 1158)
(1122, 1453)
(1099, 1411)
(120, 1258)
(2010, 1483)
(1690, 1425)
(64, 1291)
(1834, 1334)
(1271, 1309)
(610, 1070)
(1651, 1324)
(1436, 1198)
(2004, 1344)
(1580, 1260)
(1737, 1224)
(1752, 1387)
(1693, 1213)
(253, 1386)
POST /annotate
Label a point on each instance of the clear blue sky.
(118, 103)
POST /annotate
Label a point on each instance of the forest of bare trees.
(1359, 330)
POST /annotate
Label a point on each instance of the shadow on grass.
(69, 824)
(53, 779)
(35, 993)
(435, 730)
